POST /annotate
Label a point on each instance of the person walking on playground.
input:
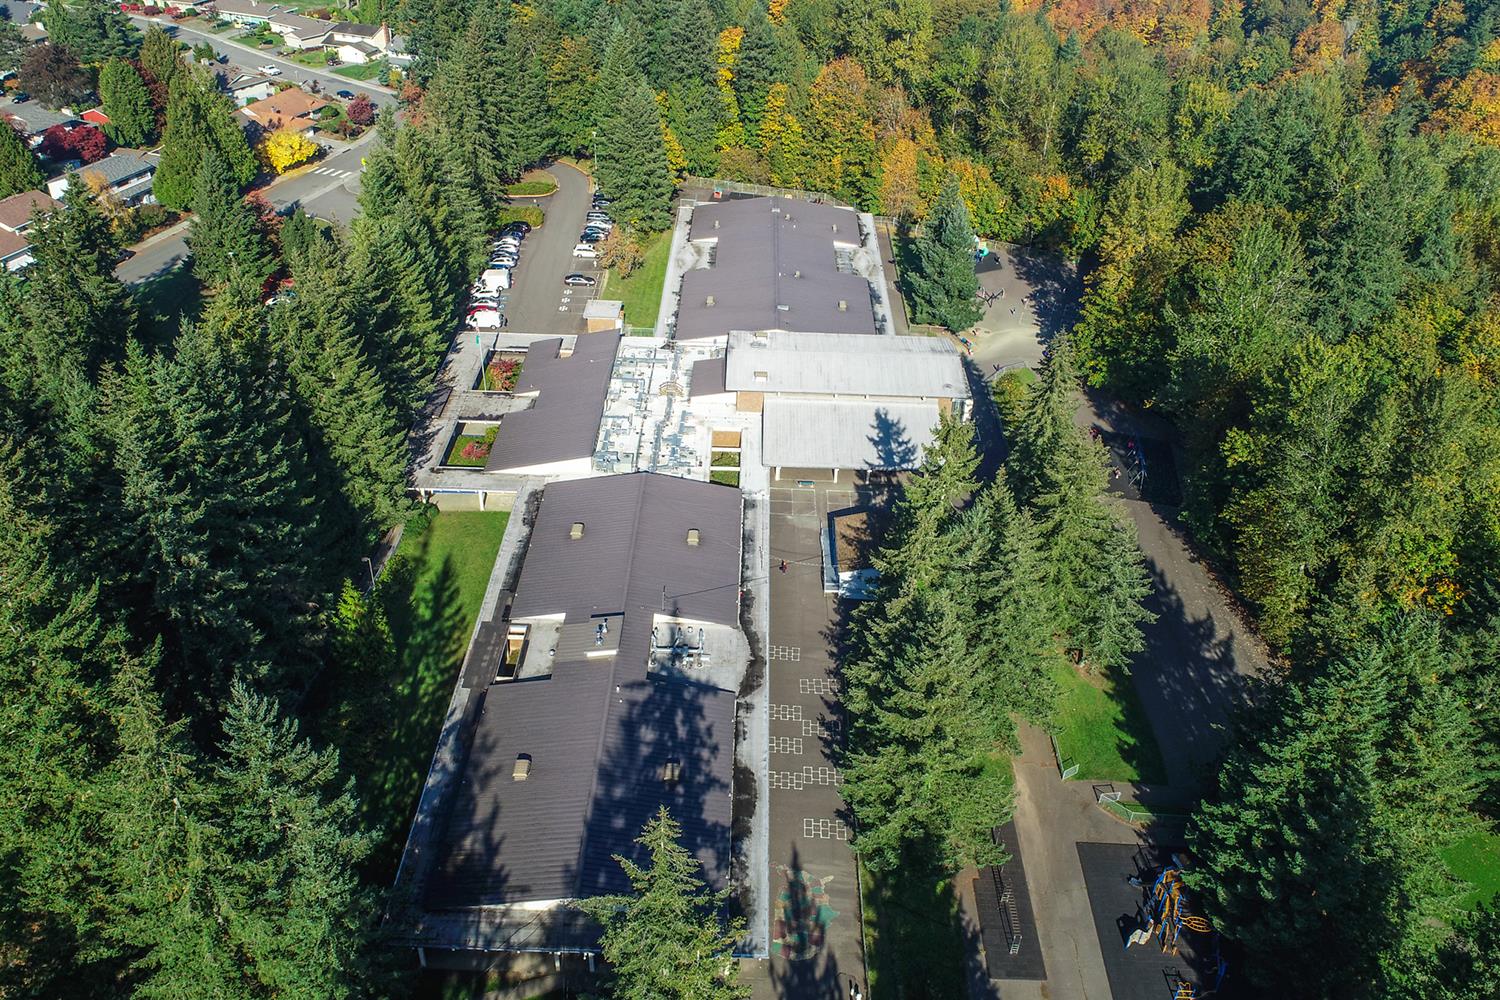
(783, 565)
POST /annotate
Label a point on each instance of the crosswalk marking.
(333, 172)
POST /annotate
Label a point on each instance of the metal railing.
(1067, 767)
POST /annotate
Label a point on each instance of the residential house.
(360, 43)
(16, 215)
(244, 87)
(398, 54)
(289, 109)
(31, 120)
(126, 173)
(300, 32)
(245, 12)
(95, 116)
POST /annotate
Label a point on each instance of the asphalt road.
(249, 58)
(538, 301)
(327, 188)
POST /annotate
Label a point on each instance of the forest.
(1286, 213)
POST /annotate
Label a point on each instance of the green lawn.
(641, 292)
(724, 477)
(431, 592)
(1476, 860)
(368, 71)
(532, 187)
(1102, 727)
(314, 57)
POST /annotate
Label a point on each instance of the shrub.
(503, 374)
(361, 110)
(529, 214)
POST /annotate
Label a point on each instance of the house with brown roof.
(290, 109)
(16, 214)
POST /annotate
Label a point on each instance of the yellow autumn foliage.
(283, 150)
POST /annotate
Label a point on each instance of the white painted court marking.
(816, 685)
(824, 829)
(786, 744)
(797, 780)
(790, 713)
(793, 653)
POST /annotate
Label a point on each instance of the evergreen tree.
(668, 939)
(216, 492)
(286, 853)
(56, 653)
(93, 30)
(631, 162)
(466, 96)
(123, 97)
(762, 64)
(944, 283)
(522, 113)
(224, 237)
(19, 170)
(1338, 797)
(199, 119)
(353, 433)
(161, 56)
(1045, 428)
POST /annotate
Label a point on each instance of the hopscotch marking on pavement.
(793, 653)
(809, 775)
(821, 730)
(824, 829)
(787, 713)
(786, 744)
(816, 685)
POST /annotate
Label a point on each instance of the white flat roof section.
(846, 433)
(831, 363)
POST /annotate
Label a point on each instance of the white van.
(586, 251)
(494, 279)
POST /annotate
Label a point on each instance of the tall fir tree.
(1044, 429)
(124, 98)
(199, 118)
(19, 170)
(161, 56)
(631, 161)
(224, 237)
(221, 522)
(943, 282)
(353, 433)
(1339, 796)
(668, 938)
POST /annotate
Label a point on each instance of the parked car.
(269, 69)
(585, 251)
(591, 228)
(484, 318)
(493, 279)
(598, 217)
(580, 280)
(346, 95)
(518, 227)
(20, 97)
(603, 225)
(590, 237)
(514, 242)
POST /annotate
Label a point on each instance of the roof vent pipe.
(709, 301)
(522, 770)
(692, 537)
(671, 771)
(576, 532)
(716, 223)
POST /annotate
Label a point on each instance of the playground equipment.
(1167, 913)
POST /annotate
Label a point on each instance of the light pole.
(371, 567)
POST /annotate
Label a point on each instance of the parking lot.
(537, 301)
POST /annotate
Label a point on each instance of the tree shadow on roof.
(894, 448)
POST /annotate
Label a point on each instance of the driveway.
(539, 302)
(248, 58)
(327, 188)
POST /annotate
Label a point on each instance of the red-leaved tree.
(361, 110)
(84, 143)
